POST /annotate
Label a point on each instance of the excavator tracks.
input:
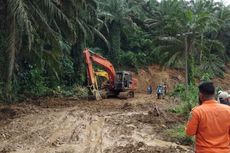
(126, 94)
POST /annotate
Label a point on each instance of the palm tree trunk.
(115, 39)
(3, 31)
(77, 56)
(202, 48)
(186, 62)
(11, 51)
(190, 60)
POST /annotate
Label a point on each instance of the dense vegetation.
(41, 42)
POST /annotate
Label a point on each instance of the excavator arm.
(90, 58)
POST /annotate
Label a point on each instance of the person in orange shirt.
(209, 122)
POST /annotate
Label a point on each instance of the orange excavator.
(120, 84)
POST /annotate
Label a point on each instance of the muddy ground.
(71, 126)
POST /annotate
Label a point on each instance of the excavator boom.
(91, 58)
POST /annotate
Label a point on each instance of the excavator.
(120, 84)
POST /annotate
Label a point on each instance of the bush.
(177, 133)
(67, 74)
(32, 83)
(207, 77)
(72, 91)
(80, 91)
(189, 99)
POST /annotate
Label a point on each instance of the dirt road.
(70, 126)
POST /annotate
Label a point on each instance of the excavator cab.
(123, 81)
(125, 84)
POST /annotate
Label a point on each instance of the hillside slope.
(155, 75)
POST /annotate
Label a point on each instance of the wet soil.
(57, 125)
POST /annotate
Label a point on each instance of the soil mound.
(7, 113)
(155, 75)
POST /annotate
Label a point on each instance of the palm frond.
(20, 10)
(102, 37)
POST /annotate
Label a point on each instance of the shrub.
(177, 133)
(189, 98)
(80, 91)
(67, 74)
(32, 82)
(72, 91)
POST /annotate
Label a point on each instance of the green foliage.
(177, 133)
(206, 77)
(212, 65)
(81, 92)
(67, 75)
(178, 90)
(189, 98)
(128, 59)
(34, 83)
(75, 91)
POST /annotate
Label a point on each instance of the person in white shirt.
(224, 98)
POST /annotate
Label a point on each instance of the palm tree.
(24, 20)
(116, 15)
(223, 34)
(83, 15)
(184, 29)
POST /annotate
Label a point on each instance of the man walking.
(209, 122)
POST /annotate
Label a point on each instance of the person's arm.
(192, 124)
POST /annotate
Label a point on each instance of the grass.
(188, 101)
(177, 134)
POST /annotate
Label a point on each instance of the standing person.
(209, 122)
(218, 93)
(149, 89)
(165, 88)
(224, 98)
(159, 91)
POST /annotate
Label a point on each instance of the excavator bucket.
(97, 95)
(94, 95)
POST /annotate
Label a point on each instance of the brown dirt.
(70, 126)
(10, 112)
(156, 75)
